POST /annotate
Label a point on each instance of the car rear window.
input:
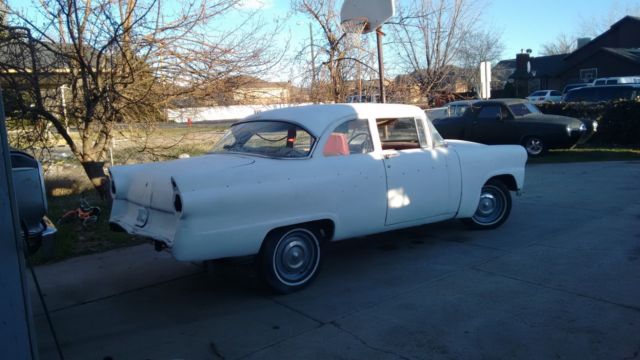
(457, 110)
(277, 139)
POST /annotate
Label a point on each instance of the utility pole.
(379, 34)
(313, 65)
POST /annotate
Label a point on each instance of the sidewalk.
(92, 277)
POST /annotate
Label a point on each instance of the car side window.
(556, 93)
(400, 133)
(349, 138)
(518, 109)
(618, 93)
(489, 112)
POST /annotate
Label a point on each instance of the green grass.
(586, 155)
(73, 239)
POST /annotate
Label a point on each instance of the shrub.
(618, 121)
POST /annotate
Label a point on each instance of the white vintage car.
(281, 183)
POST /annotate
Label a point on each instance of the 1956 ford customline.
(280, 183)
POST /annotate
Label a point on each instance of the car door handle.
(390, 155)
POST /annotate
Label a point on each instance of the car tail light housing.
(177, 199)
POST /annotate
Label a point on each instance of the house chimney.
(583, 41)
(522, 60)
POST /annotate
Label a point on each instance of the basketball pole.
(379, 34)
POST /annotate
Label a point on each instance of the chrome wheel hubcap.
(487, 204)
(534, 146)
(492, 206)
(296, 257)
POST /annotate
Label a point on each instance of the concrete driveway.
(559, 280)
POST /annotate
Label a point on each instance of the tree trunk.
(100, 181)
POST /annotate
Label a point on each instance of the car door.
(352, 179)
(417, 176)
(488, 125)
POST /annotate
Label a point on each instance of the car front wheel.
(290, 258)
(494, 206)
(534, 146)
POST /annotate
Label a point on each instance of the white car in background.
(282, 182)
(542, 96)
(617, 80)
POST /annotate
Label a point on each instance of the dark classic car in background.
(515, 121)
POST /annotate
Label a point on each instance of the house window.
(588, 75)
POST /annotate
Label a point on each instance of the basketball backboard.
(373, 12)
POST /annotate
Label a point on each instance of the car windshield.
(522, 109)
(539, 93)
(276, 139)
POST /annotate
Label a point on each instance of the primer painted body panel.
(230, 202)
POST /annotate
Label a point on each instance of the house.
(248, 90)
(616, 52)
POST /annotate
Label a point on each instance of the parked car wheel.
(535, 146)
(290, 259)
(494, 206)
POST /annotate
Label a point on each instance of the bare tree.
(112, 62)
(429, 36)
(592, 26)
(563, 44)
(340, 58)
(476, 47)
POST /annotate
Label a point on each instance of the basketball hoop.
(353, 30)
(362, 17)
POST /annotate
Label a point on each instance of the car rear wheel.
(494, 206)
(534, 146)
(290, 258)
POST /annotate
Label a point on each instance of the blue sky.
(523, 24)
(530, 24)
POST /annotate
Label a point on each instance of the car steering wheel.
(365, 144)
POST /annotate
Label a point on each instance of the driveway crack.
(630, 307)
(366, 344)
(297, 311)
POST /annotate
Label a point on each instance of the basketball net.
(353, 29)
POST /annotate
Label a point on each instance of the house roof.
(597, 38)
(632, 55)
(544, 66)
(547, 65)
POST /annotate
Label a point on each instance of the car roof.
(463, 102)
(316, 118)
(627, 85)
(505, 101)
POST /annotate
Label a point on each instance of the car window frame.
(336, 125)
(423, 141)
(309, 155)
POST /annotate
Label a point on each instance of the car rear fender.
(480, 163)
